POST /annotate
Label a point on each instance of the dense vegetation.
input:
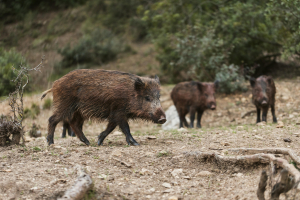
(200, 40)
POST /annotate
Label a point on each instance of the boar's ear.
(252, 82)
(200, 86)
(157, 79)
(216, 83)
(269, 79)
(138, 84)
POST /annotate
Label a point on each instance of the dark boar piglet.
(66, 127)
(104, 95)
(192, 97)
(263, 96)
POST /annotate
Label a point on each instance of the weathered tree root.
(82, 185)
(283, 151)
(283, 186)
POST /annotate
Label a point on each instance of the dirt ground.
(37, 171)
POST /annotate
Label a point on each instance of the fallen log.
(82, 185)
(283, 151)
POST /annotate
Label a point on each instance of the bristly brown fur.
(192, 97)
(103, 94)
(263, 96)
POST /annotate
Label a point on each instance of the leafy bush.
(8, 60)
(32, 112)
(14, 10)
(230, 79)
(47, 104)
(101, 46)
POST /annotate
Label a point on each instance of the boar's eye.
(147, 98)
(206, 95)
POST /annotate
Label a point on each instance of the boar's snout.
(211, 105)
(264, 102)
(159, 116)
(162, 120)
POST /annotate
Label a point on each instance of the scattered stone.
(296, 134)
(177, 172)
(102, 176)
(161, 131)
(243, 99)
(145, 171)
(168, 190)
(33, 189)
(116, 152)
(291, 116)
(149, 153)
(258, 137)
(298, 123)
(204, 173)
(117, 133)
(167, 185)
(225, 143)
(28, 139)
(239, 174)
(152, 190)
(261, 123)
(151, 137)
(287, 140)
(219, 114)
(280, 124)
(173, 198)
(169, 142)
(187, 177)
(239, 128)
(182, 130)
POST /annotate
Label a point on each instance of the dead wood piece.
(262, 185)
(122, 162)
(283, 186)
(249, 159)
(82, 185)
(248, 113)
(283, 151)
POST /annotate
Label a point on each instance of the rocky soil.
(159, 168)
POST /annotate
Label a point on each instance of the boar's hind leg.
(258, 114)
(273, 113)
(75, 124)
(53, 121)
(110, 127)
(199, 115)
(125, 129)
(66, 127)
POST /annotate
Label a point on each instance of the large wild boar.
(192, 97)
(104, 95)
(263, 96)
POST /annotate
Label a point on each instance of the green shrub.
(230, 79)
(32, 112)
(101, 46)
(47, 104)
(8, 60)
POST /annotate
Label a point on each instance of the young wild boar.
(263, 96)
(103, 94)
(192, 97)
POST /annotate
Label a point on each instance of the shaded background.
(178, 40)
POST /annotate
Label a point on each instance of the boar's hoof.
(274, 120)
(85, 141)
(50, 141)
(63, 136)
(131, 141)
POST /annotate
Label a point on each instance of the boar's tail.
(45, 93)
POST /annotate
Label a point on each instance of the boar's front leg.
(258, 114)
(264, 113)
(110, 127)
(192, 117)
(124, 126)
(273, 113)
(199, 115)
